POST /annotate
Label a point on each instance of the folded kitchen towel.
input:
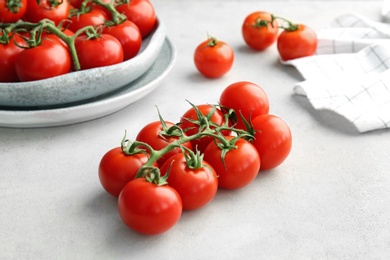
(350, 73)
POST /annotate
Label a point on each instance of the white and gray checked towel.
(350, 74)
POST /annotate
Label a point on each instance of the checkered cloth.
(350, 74)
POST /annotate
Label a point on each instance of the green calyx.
(14, 5)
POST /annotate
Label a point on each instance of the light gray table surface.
(329, 200)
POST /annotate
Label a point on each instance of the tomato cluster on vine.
(61, 36)
(171, 167)
(260, 30)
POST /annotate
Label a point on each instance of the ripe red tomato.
(213, 58)
(128, 35)
(293, 44)
(140, 12)
(49, 59)
(8, 54)
(258, 32)
(246, 98)
(153, 135)
(241, 166)
(272, 139)
(13, 12)
(94, 18)
(148, 208)
(196, 186)
(97, 52)
(116, 169)
(191, 128)
(45, 9)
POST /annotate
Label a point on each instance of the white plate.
(84, 84)
(76, 113)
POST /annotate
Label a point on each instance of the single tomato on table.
(260, 30)
(247, 99)
(194, 179)
(297, 41)
(149, 208)
(213, 58)
(12, 10)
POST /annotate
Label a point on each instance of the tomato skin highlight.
(94, 18)
(147, 208)
(38, 10)
(8, 54)
(116, 169)
(273, 140)
(242, 164)
(196, 187)
(246, 98)
(259, 37)
(213, 61)
(297, 44)
(7, 16)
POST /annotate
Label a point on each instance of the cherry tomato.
(191, 128)
(128, 35)
(196, 186)
(153, 135)
(293, 44)
(49, 59)
(245, 98)
(213, 58)
(148, 208)
(239, 167)
(56, 11)
(140, 12)
(15, 10)
(102, 51)
(116, 169)
(8, 54)
(273, 140)
(93, 18)
(258, 32)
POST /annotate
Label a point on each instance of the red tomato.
(148, 208)
(213, 58)
(293, 44)
(153, 135)
(13, 12)
(93, 18)
(45, 9)
(116, 169)
(128, 35)
(240, 167)
(191, 128)
(246, 98)
(98, 52)
(8, 54)
(272, 140)
(196, 186)
(258, 32)
(49, 59)
(140, 12)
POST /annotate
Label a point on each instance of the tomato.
(93, 18)
(213, 58)
(148, 208)
(128, 35)
(293, 44)
(240, 166)
(272, 139)
(258, 32)
(245, 98)
(12, 10)
(97, 52)
(56, 11)
(154, 135)
(8, 54)
(191, 128)
(49, 59)
(140, 12)
(116, 169)
(196, 186)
